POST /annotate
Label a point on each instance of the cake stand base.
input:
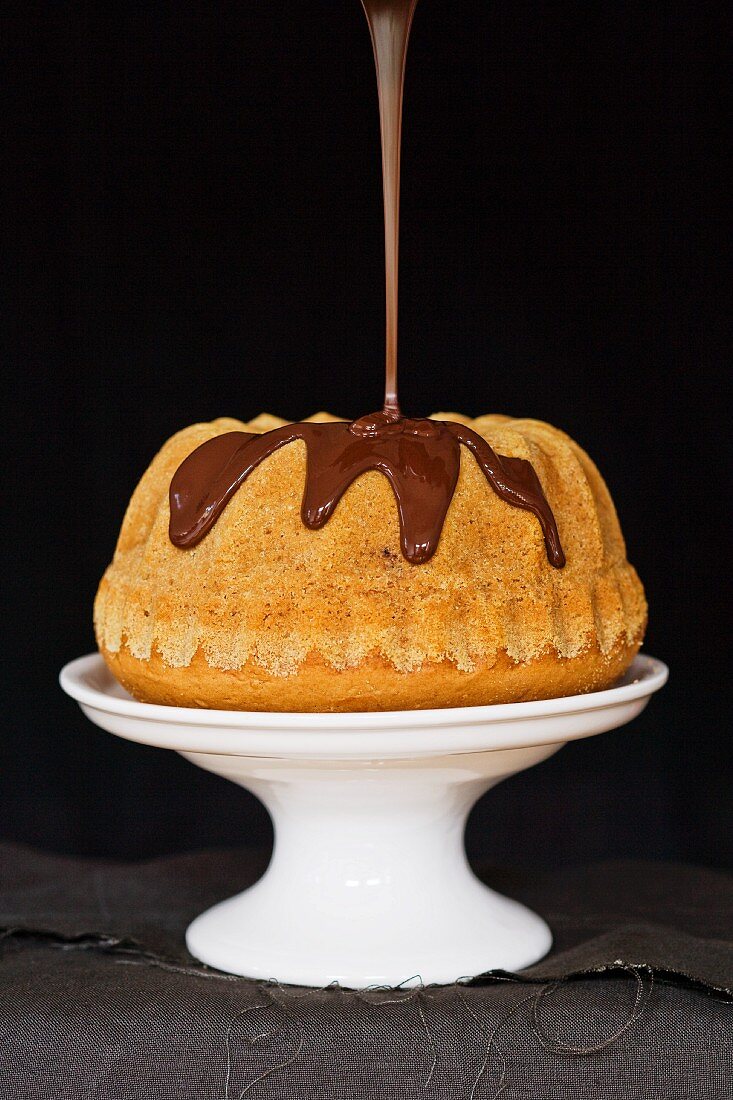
(368, 883)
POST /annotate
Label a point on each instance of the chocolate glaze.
(420, 459)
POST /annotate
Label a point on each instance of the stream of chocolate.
(389, 25)
(420, 458)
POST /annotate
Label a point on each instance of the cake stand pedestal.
(369, 882)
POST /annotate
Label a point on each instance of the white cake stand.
(369, 882)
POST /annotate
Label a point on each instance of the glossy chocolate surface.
(420, 459)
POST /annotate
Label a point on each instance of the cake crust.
(373, 685)
(265, 614)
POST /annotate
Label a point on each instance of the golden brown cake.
(265, 614)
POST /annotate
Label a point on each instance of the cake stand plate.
(369, 882)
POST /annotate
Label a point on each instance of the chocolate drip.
(419, 458)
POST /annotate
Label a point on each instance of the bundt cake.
(264, 613)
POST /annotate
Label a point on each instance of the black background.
(194, 220)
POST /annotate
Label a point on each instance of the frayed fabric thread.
(278, 995)
(556, 1045)
(419, 996)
